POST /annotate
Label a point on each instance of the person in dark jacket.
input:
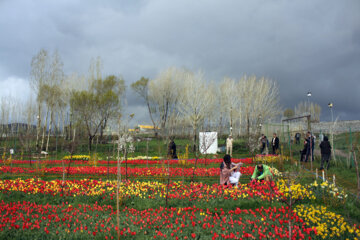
(303, 152)
(275, 144)
(325, 148)
(297, 138)
(310, 146)
(172, 149)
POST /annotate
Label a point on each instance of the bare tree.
(311, 108)
(196, 100)
(164, 94)
(38, 77)
(27, 134)
(230, 99)
(141, 87)
(260, 102)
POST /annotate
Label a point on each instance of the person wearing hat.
(262, 172)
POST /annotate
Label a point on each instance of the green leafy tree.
(96, 106)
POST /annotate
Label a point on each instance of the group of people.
(264, 144)
(230, 172)
(307, 154)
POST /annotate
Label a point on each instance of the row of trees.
(304, 108)
(65, 105)
(179, 96)
(84, 105)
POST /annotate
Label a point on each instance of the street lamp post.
(330, 105)
(309, 96)
(310, 137)
(309, 117)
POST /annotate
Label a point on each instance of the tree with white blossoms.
(125, 145)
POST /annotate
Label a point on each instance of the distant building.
(13, 129)
(145, 128)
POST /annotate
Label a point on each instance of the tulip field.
(165, 199)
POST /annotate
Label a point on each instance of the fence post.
(352, 154)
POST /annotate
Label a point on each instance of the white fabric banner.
(208, 142)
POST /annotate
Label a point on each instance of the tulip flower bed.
(144, 190)
(33, 208)
(269, 158)
(132, 162)
(327, 224)
(135, 172)
(27, 220)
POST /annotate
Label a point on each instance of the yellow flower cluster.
(327, 224)
(77, 157)
(143, 157)
(298, 191)
(330, 189)
(184, 162)
(270, 158)
(88, 187)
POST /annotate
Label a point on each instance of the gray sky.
(304, 45)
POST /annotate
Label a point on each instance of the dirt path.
(337, 153)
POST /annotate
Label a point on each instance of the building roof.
(147, 127)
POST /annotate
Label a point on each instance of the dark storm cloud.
(303, 45)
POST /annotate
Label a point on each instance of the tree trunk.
(248, 126)
(50, 127)
(102, 128)
(90, 141)
(38, 129)
(44, 129)
(195, 152)
(357, 174)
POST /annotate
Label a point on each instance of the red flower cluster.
(136, 162)
(103, 170)
(59, 221)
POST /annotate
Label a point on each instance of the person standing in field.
(264, 145)
(172, 149)
(325, 148)
(229, 145)
(275, 144)
(303, 152)
(310, 147)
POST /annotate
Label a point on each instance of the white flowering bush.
(328, 193)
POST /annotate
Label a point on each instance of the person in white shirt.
(229, 145)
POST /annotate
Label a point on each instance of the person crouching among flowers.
(229, 172)
(262, 172)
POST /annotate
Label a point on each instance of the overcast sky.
(304, 45)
